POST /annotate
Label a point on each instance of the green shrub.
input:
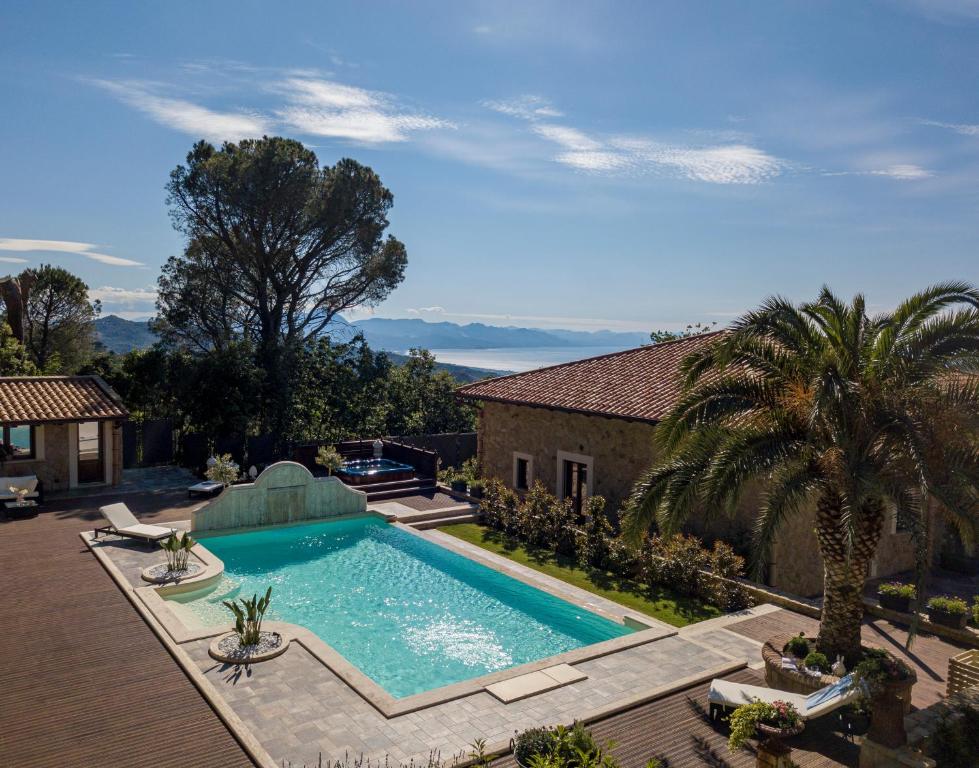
(470, 469)
(951, 605)
(798, 646)
(500, 507)
(975, 610)
(897, 589)
(817, 660)
(676, 561)
(223, 470)
(329, 458)
(955, 741)
(725, 563)
(877, 668)
(533, 741)
(595, 540)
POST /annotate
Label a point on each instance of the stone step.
(424, 525)
(421, 515)
(396, 493)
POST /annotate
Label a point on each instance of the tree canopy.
(276, 248)
(835, 411)
(58, 319)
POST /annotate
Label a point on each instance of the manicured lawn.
(659, 602)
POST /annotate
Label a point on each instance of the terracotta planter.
(895, 603)
(887, 710)
(946, 619)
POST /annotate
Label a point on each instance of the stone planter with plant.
(563, 747)
(948, 611)
(778, 720)
(248, 642)
(887, 683)
(895, 596)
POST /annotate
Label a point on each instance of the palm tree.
(828, 407)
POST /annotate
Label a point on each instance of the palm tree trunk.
(845, 566)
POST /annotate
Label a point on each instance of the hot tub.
(363, 471)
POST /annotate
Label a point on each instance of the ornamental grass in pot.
(895, 596)
(948, 611)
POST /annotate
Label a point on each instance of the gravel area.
(231, 647)
(162, 573)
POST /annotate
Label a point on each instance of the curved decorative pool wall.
(363, 471)
(285, 492)
(411, 615)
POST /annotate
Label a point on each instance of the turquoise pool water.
(410, 614)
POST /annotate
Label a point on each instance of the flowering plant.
(745, 720)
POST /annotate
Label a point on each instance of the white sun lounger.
(724, 694)
(122, 522)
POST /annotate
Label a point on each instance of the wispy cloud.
(964, 129)
(185, 116)
(325, 108)
(732, 163)
(130, 303)
(12, 260)
(527, 106)
(903, 172)
(436, 310)
(65, 246)
(310, 105)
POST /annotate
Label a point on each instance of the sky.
(622, 165)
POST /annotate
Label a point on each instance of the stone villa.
(586, 427)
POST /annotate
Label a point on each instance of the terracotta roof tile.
(39, 399)
(640, 383)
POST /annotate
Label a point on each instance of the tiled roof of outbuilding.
(41, 399)
(641, 384)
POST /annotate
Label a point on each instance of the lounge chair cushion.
(142, 531)
(125, 523)
(731, 694)
(823, 701)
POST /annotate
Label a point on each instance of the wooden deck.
(677, 729)
(83, 680)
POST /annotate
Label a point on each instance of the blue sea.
(519, 359)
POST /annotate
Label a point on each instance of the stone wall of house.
(621, 450)
(52, 470)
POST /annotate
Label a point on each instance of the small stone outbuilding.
(586, 428)
(66, 430)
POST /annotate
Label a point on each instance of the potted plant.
(779, 719)
(896, 596)
(329, 458)
(887, 682)
(797, 646)
(948, 611)
(177, 551)
(816, 661)
(476, 488)
(458, 482)
(222, 469)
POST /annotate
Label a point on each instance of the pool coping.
(152, 598)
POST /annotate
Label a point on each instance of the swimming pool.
(410, 614)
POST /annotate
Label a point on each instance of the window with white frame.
(523, 471)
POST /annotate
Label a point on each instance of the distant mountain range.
(119, 335)
(400, 335)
